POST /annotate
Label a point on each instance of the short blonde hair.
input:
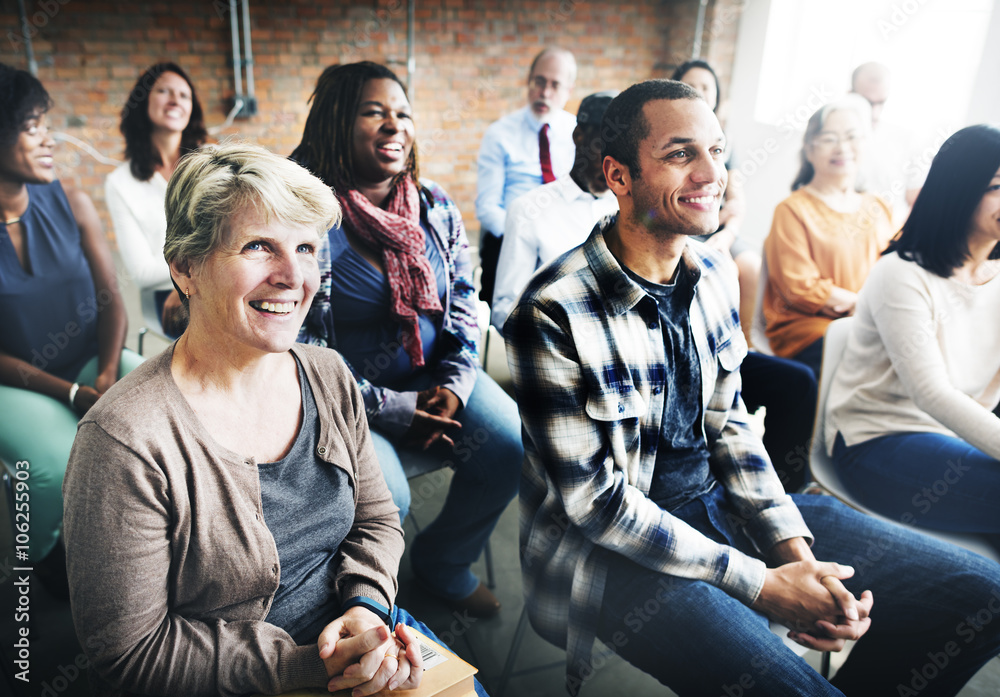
(214, 183)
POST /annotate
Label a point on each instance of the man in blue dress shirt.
(523, 150)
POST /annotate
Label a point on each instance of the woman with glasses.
(825, 237)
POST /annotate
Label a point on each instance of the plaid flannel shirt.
(586, 354)
(458, 344)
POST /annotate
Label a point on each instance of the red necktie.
(544, 156)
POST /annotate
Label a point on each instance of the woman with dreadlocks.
(397, 301)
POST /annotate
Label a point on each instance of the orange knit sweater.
(810, 249)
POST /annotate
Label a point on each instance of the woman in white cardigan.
(161, 121)
(911, 407)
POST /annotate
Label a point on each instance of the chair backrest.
(758, 326)
(823, 470)
(152, 324)
(834, 344)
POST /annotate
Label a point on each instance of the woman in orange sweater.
(825, 237)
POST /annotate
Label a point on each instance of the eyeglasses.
(829, 140)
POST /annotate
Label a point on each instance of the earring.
(187, 294)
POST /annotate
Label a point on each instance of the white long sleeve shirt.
(542, 224)
(140, 224)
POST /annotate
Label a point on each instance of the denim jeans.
(487, 462)
(935, 620)
(401, 615)
(941, 481)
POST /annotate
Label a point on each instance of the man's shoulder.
(506, 125)
(555, 193)
(565, 280)
(563, 121)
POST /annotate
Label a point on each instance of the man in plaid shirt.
(651, 517)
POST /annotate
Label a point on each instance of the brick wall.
(471, 55)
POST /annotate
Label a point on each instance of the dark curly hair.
(138, 129)
(23, 97)
(936, 233)
(325, 149)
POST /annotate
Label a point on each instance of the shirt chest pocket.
(732, 353)
(719, 402)
(619, 414)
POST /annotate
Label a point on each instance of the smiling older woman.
(227, 524)
(825, 237)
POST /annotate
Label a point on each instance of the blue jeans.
(401, 615)
(487, 462)
(932, 622)
(941, 481)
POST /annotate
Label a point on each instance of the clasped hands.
(435, 408)
(808, 596)
(361, 655)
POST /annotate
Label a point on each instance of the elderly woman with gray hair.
(228, 529)
(825, 237)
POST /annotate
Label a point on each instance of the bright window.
(931, 47)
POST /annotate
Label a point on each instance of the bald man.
(523, 150)
(891, 170)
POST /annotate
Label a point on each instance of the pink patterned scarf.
(396, 231)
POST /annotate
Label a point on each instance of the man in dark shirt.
(651, 517)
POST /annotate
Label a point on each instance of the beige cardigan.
(171, 566)
(922, 357)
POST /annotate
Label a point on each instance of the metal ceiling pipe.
(26, 35)
(248, 51)
(411, 60)
(235, 31)
(699, 29)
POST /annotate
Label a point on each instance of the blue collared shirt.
(509, 164)
(586, 353)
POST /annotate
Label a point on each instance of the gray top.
(309, 510)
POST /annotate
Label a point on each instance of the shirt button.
(621, 408)
(652, 325)
(657, 390)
